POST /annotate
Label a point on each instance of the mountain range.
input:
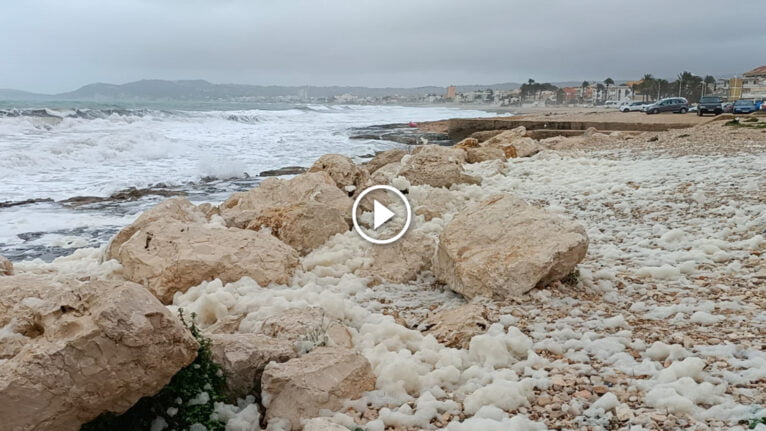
(201, 90)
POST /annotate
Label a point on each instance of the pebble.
(583, 394)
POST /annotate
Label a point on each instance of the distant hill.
(200, 90)
(6, 94)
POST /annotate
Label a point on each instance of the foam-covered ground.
(665, 328)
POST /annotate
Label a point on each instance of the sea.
(60, 162)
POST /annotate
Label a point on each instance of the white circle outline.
(359, 229)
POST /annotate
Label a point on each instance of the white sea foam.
(59, 157)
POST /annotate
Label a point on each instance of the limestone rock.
(6, 266)
(486, 134)
(244, 356)
(402, 260)
(386, 174)
(87, 348)
(482, 154)
(323, 379)
(170, 257)
(503, 247)
(383, 158)
(347, 175)
(590, 131)
(526, 147)
(317, 187)
(303, 226)
(436, 166)
(175, 209)
(432, 202)
(209, 210)
(307, 326)
(456, 327)
(322, 424)
(467, 143)
(506, 137)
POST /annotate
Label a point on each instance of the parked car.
(634, 106)
(743, 106)
(710, 105)
(670, 104)
(693, 108)
(728, 107)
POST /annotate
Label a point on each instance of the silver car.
(634, 106)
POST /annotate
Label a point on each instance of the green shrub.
(202, 375)
(572, 279)
(754, 423)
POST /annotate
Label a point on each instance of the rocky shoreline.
(599, 281)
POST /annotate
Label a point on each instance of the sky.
(54, 46)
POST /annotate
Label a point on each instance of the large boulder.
(347, 175)
(323, 379)
(503, 247)
(386, 174)
(402, 260)
(170, 256)
(383, 158)
(432, 202)
(505, 138)
(514, 143)
(303, 226)
(525, 147)
(243, 358)
(467, 143)
(6, 266)
(457, 326)
(482, 154)
(483, 135)
(84, 348)
(436, 166)
(317, 187)
(176, 209)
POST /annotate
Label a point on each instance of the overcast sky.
(55, 46)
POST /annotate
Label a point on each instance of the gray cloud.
(56, 46)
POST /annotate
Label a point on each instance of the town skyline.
(688, 85)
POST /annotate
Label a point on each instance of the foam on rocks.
(659, 326)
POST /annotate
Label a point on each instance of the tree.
(647, 85)
(584, 85)
(600, 91)
(710, 80)
(608, 82)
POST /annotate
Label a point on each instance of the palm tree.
(599, 90)
(584, 85)
(647, 83)
(608, 82)
(710, 80)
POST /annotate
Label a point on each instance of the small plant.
(755, 422)
(314, 337)
(750, 120)
(572, 279)
(733, 122)
(181, 403)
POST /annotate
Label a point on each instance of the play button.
(380, 215)
(381, 223)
